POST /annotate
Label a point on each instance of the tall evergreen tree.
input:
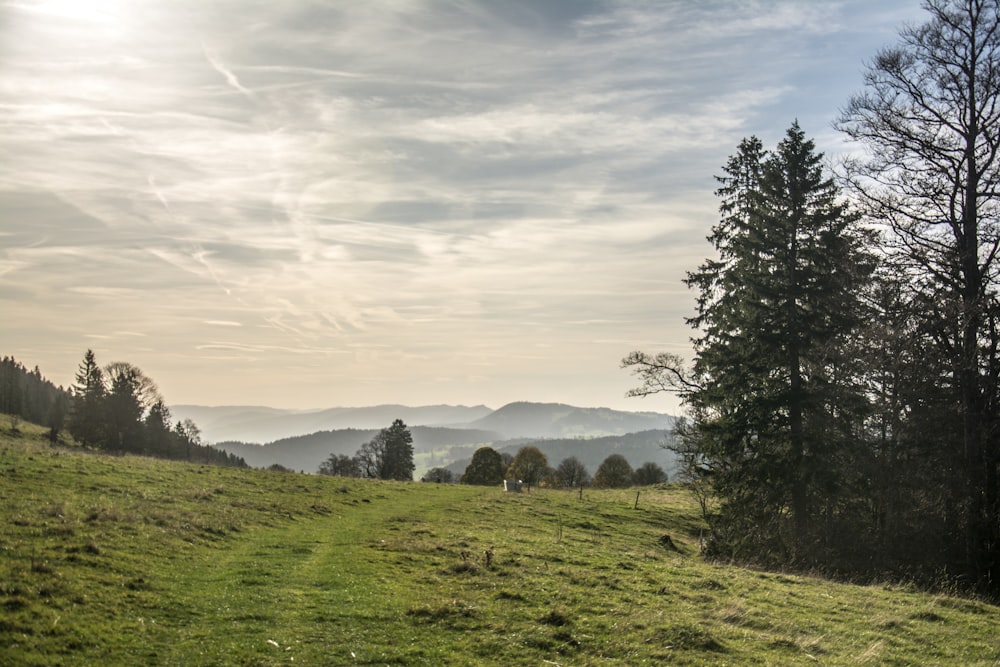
(86, 419)
(399, 452)
(389, 455)
(774, 400)
(160, 439)
(125, 407)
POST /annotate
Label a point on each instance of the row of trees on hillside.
(531, 467)
(27, 395)
(118, 409)
(844, 397)
(389, 455)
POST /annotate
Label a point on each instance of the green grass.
(137, 561)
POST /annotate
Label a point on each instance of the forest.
(843, 401)
(116, 409)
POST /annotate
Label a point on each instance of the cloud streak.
(464, 202)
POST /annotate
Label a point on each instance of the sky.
(306, 204)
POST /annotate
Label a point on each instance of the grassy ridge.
(136, 561)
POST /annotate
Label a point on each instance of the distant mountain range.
(250, 424)
(451, 448)
(256, 424)
(556, 420)
(443, 435)
(307, 452)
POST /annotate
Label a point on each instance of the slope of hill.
(556, 420)
(137, 561)
(515, 420)
(261, 424)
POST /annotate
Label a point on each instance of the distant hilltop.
(515, 420)
(557, 420)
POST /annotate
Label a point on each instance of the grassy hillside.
(137, 561)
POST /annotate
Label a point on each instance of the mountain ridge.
(258, 424)
(560, 420)
(255, 424)
(444, 438)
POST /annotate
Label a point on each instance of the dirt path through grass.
(132, 561)
(317, 590)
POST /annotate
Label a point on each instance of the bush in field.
(648, 474)
(486, 468)
(439, 476)
(614, 473)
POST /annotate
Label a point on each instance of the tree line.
(844, 397)
(27, 395)
(115, 408)
(118, 409)
(389, 455)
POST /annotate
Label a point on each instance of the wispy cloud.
(430, 201)
(228, 74)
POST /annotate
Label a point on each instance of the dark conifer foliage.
(389, 455)
(86, 419)
(115, 409)
(929, 119)
(776, 396)
(776, 402)
(27, 395)
(844, 418)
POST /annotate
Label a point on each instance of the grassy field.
(135, 561)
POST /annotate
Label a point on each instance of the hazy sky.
(314, 204)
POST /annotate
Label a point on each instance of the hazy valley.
(443, 436)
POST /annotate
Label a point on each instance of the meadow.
(130, 560)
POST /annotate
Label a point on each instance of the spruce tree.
(398, 452)
(86, 419)
(774, 396)
(389, 455)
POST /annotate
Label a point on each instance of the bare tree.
(929, 119)
(571, 473)
(389, 455)
(340, 465)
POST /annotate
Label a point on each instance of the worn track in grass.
(135, 561)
